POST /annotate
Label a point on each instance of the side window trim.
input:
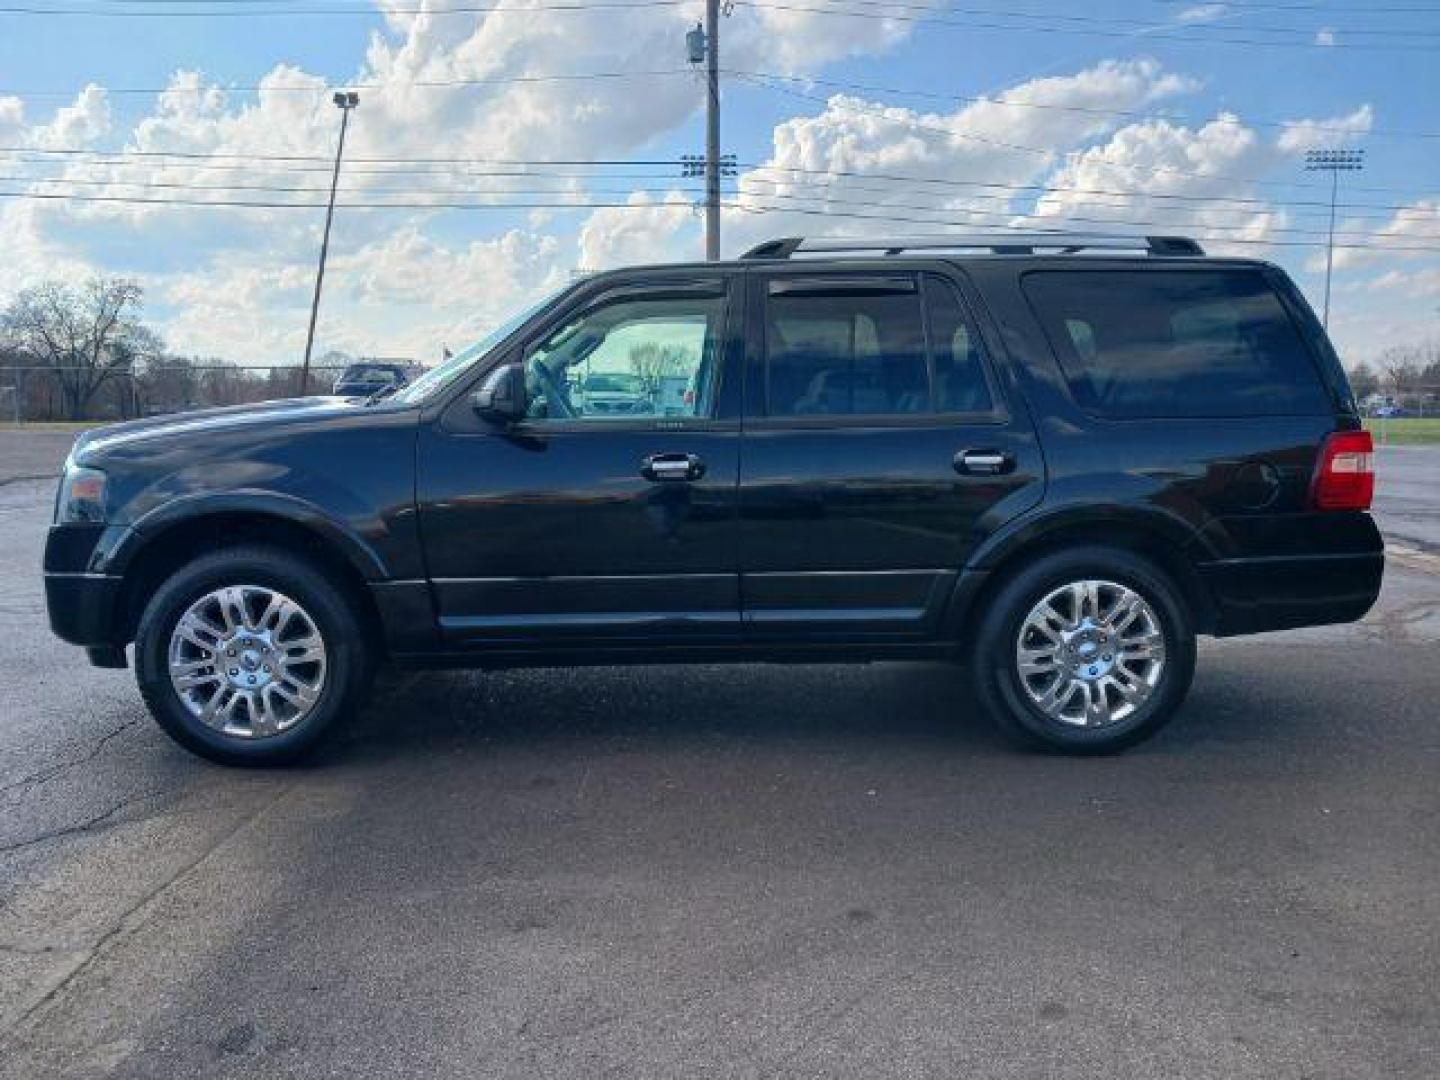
(997, 412)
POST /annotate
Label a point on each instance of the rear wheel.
(251, 656)
(1085, 651)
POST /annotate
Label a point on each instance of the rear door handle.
(984, 462)
(662, 467)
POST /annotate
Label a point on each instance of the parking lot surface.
(763, 871)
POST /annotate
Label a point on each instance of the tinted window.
(629, 360)
(959, 383)
(1173, 342)
(845, 349)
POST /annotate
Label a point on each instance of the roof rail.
(999, 243)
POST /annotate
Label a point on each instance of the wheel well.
(1154, 546)
(167, 551)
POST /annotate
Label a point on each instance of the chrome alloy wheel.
(247, 661)
(1090, 653)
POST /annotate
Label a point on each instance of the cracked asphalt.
(749, 872)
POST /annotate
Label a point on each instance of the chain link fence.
(32, 393)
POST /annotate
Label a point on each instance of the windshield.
(443, 375)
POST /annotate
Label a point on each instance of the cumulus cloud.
(78, 124)
(1300, 135)
(1412, 233)
(12, 120)
(867, 161)
(474, 87)
(441, 95)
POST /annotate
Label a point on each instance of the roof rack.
(999, 243)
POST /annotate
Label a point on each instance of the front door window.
(629, 360)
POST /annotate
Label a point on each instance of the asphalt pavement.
(763, 871)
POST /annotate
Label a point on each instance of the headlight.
(82, 496)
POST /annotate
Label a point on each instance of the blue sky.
(1186, 116)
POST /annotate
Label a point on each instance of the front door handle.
(661, 467)
(984, 462)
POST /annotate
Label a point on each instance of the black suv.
(1058, 457)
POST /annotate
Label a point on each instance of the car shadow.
(411, 711)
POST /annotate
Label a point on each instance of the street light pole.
(1334, 162)
(345, 100)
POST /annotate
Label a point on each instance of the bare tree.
(1363, 380)
(85, 335)
(653, 364)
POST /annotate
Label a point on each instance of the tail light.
(1345, 475)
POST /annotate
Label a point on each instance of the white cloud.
(613, 237)
(12, 120)
(79, 124)
(1300, 135)
(218, 268)
(1201, 13)
(1412, 233)
(1325, 37)
(1157, 176)
(826, 164)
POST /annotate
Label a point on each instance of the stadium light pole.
(345, 100)
(1334, 162)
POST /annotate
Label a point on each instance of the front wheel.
(1086, 651)
(251, 656)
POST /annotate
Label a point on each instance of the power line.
(1359, 241)
(558, 6)
(891, 218)
(213, 155)
(881, 9)
(549, 169)
(936, 95)
(1005, 193)
(991, 215)
(1048, 153)
(1011, 190)
(1158, 35)
(265, 204)
(868, 180)
(1366, 9)
(326, 88)
(276, 189)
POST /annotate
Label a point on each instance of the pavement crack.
(7, 481)
(134, 916)
(48, 773)
(81, 826)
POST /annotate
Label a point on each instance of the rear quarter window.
(1176, 343)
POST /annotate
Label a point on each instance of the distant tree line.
(1407, 374)
(81, 352)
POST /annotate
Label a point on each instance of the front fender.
(126, 544)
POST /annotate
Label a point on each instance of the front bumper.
(85, 609)
(85, 602)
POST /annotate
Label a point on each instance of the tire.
(1129, 700)
(309, 691)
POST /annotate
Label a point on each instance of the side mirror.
(501, 397)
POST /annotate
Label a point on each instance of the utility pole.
(1334, 162)
(703, 43)
(345, 100)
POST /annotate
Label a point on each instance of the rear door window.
(1176, 343)
(862, 346)
(845, 346)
